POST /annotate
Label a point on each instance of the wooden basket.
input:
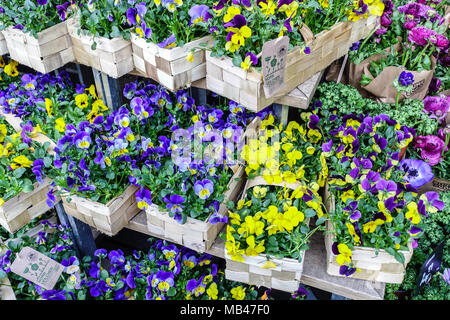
(380, 267)
(51, 50)
(246, 87)
(285, 277)
(170, 67)
(3, 45)
(194, 234)
(111, 56)
(287, 273)
(20, 210)
(108, 218)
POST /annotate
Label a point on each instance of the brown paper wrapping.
(381, 86)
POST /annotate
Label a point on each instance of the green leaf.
(19, 172)
(27, 188)
(171, 292)
(3, 274)
(104, 274)
(320, 220)
(309, 213)
(237, 60)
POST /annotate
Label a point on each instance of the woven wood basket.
(51, 50)
(111, 56)
(107, 218)
(170, 67)
(380, 267)
(246, 87)
(287, 273)
(194, 234)
(3, 45)
(20, 210)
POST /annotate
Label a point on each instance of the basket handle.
(306, 32)
(260, 181)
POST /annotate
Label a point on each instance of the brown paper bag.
(355, 71)
(381, 86)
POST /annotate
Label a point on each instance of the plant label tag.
(37, 268)
(274, 58)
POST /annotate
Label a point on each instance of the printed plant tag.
(274, 58)
(37, 268)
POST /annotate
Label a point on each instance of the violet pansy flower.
(417, 172)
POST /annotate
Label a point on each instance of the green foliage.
(435, 228)
(346, 99)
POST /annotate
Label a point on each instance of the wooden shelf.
(314, 269)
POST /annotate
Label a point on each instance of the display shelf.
(314, 270)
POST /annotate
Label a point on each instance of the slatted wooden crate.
(3, 45)
(107, 218)
(170, 67)
(111, 56)
(285, 276)
(246, 87)
(51, 50)
(21, 209)
(195, 234)
(380, 267)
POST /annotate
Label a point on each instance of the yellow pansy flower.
(21, 162)
(413, 213)
(49, 106)
(268, 8)
(235, 218)
(238, 293)
(60, 125)
(351, 230)
(259, 192)
(349, 194)
(231, 12)
(212, 291)
(253, 249)
(81, 100)
(251, 226)
(345, 254)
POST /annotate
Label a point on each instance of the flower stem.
(397, 98)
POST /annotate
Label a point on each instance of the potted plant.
(36, 33)
(185, 190)
(268, 230)
(169, 40)
(374, 212)
(101, 36)
(24, 186)
(93, 161)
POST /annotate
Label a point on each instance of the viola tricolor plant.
(165, 272)
(22, 161)
(375, 194)
(169, 23)
(191, 176)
